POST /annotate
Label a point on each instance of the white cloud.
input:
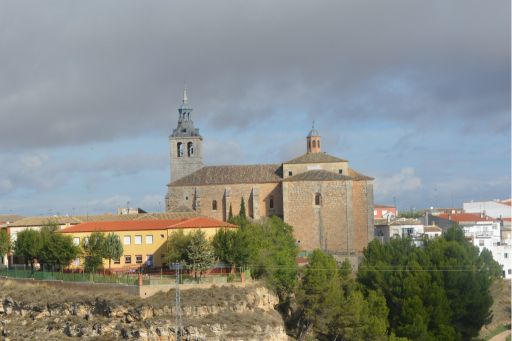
(404, 181)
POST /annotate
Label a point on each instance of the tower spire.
(185, 109)
(185, 97)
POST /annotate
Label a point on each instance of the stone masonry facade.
(328, 204)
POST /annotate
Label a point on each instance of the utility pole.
(179, 326)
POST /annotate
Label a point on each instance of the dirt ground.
(500, 291)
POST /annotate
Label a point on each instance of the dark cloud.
(72, 74)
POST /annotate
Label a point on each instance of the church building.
(329, 204)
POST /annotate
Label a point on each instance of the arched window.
(271, 203)
(318, 144)
(190, 149)
(318, 199)
(309, 144)
(214, 205)
(179, 148)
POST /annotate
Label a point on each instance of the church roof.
(315, 158)
(323, 175)
(235, 174)
(318, 175)
(358, 176)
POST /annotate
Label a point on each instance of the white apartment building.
(493, 208)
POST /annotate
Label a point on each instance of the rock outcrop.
(207, 314)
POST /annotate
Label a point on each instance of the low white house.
(495, 208)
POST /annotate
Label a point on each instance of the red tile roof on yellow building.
(138, 225)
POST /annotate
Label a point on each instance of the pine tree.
(199, 253)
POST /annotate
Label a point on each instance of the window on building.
(505, 255)
(127, 240)
(318, 199)
(481, 242)
(318, 143)
(190, 149)
(76, 241)
(510, 271)
(214, 205)
(340, 171)
(290, 173)
(138, 259)
(149, 260)
(271, 203)
(149, 239)
(117, 261)
(138, 240)
(127, 259)
(179, 148)
(86, 241)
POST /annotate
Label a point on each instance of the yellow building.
(144, 241)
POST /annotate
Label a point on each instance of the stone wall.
(362, 195)
(297, 168)
(200, 198)
(327, 226)
(185, 165)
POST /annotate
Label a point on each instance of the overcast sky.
(413, 93)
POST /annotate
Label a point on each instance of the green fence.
(126, 279)
(122, 279)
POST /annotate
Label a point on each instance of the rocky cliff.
(42, 312)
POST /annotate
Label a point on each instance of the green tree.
(320, 294)
(230, 216)
(57, 249)
(5, 243)
(230, 247)
(200, 253)
(93, 248)
(334, 306)
(242, 213)
(493, 268)
(272, 253)
(177, 245)
(28, 245)
(439, 291)
(113, 248)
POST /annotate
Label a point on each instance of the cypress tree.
(242, 209)
(230, 216)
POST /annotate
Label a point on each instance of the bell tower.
(313, 140)
(186, 144)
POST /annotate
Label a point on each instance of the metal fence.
(122, 278)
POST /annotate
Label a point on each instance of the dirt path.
(501, 336)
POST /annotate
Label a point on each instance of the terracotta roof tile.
(432, 228)
(142, 225)
(358, 176)
(459, 217)
(315, 158)
(318, 175)
(235, 174)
